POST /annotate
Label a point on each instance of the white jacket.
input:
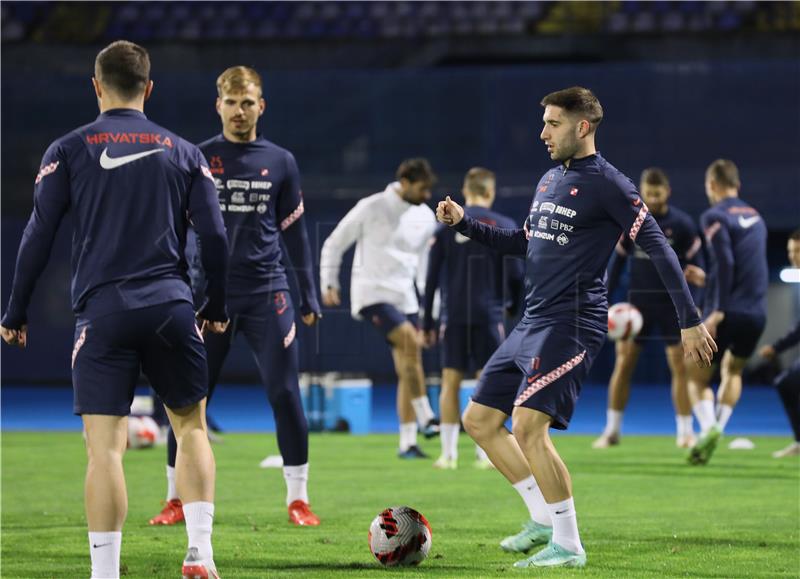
(392, 240)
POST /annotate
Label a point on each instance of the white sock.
(684, 425)
(449, 434)
(423, 410)
(408, 435)
(480, 454)
(104, 549)
(172, 490)
(532, 495)
(296, 478)
(565, 525)
(723, 415)
(199, 522)
(704, 410)
(613, 421)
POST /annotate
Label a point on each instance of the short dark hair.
(724, 172)
(577, 100)
(478, 180)
(416, 170)
(124, 68)
(654, 176)
(795, 235)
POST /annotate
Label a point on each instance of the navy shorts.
(540, 367)
(660, 319)
(386, 317)
(739, 332)
(469, 347)
(161, 341)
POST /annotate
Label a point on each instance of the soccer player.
(259, 194)
(646, 292)
(392, 230)
(788, 382)
(735, 304)
(474, 297)
(132, 187)
(536, 374)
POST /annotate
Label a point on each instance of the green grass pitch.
(642, 511)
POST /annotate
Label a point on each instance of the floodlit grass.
(642, 511)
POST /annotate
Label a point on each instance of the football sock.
(684, 425)
(423, 410)
(296, 483)
(723, 415)
(613, 421)
(449, 433)
(104, 549)
(408, 435)
(480, 454)
(532, 495)
(704, 410)
(172, 490)
(199, 521)
(565, 525)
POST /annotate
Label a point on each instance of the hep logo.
(281, 305)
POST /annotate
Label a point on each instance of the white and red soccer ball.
(624, 321)
(142, 432)
(400, 537)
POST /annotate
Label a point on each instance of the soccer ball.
(142, 432)
(624, 321)
(399, 537)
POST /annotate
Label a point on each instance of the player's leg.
(217, 348)
(788, 386)
(105, 366)
(271, 330)
(619, 389)
(174, 360)
(450, 417)
(730, 387)
(680, 396)
(407, 355)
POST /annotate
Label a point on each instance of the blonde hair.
(236, 79)
(479, 181)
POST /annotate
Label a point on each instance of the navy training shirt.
(682, 236)
(475, 286)
(577, 215)
(132, 187)
(259, 194)
(736, 240)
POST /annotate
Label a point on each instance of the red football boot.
(171, 514)
(300, 513)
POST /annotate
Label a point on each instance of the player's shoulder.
(212, 143)
(503, 221)
(607, 174)
(680, 216)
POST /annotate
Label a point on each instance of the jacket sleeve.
(504, 241)
(435, 262)
(338, 242)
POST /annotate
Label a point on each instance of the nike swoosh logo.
(107, 162)
(561, 512)
(748, 222)
(103, 545)
(534, 377)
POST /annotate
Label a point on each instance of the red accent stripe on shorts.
(292, 217)
(78, 343)
(287, 341)
(637, 224)
(549, 378)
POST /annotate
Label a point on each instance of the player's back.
(129, 183)
(737, 225)
(473, 285)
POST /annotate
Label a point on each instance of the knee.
(475, 427)
(528, 435)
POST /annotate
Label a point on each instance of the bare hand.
(331, 297)
(713, 320)
(695, 276)
(449, 212)
(15, 337)
(429, 338)
(698, 345)
(207, 326)
(767, 352)
(311, 318)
